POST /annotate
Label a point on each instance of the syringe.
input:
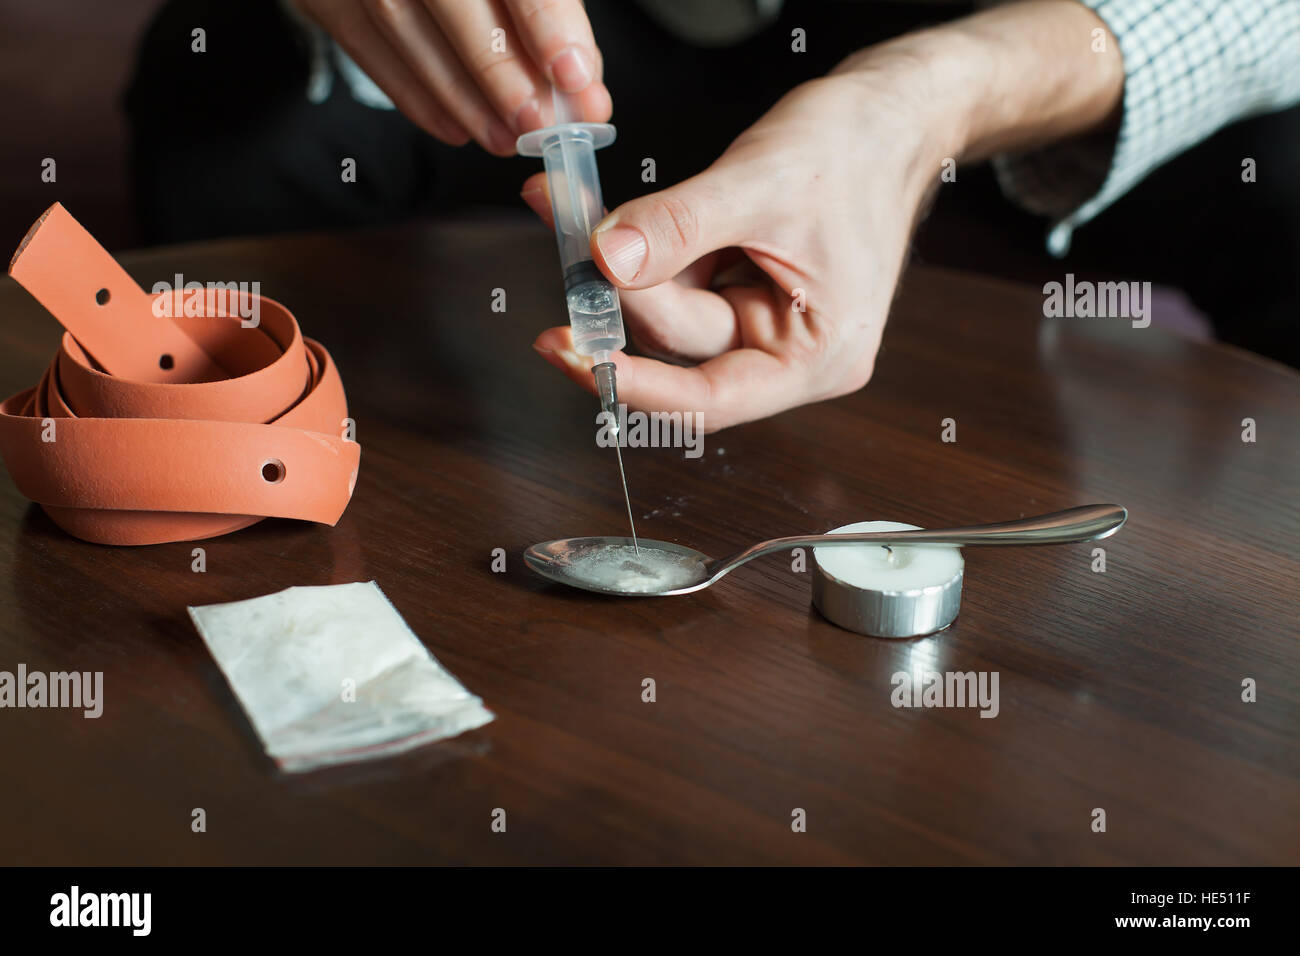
(568, 150)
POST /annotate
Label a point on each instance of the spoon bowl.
(614, 565)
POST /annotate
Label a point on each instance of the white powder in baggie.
(333, 674)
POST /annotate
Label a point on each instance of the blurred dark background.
(156, 144)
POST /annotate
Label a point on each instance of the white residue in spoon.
(617, 567)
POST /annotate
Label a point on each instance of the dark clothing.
(225, 142)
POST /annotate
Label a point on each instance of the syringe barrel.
(576, 202)
(595, 315)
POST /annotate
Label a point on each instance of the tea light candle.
(895, 591)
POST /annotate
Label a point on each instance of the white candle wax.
(901, 568)
(899, 591)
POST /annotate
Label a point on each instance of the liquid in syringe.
(595, 317)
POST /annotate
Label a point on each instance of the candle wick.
(889, 551)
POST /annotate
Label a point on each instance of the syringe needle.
(607, 389)
(626, 499)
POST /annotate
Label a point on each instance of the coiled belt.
(149, 428)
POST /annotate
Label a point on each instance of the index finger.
(735, 387)
(558, 36)
(738, 386)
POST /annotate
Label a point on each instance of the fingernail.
(500, 139)
(624, 250)
(571, 359)
(536, 200)
(542, 351)
(570, 71)
(528, 116)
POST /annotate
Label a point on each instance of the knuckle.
(653, 339)
(392, 11)
(485, 61)
(676, 222)
(532, 10)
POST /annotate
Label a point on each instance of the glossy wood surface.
(1119, 690)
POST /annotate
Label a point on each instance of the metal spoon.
(663, 568)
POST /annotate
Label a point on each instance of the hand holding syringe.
(568, 149)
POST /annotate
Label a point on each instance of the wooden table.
(1120, 690)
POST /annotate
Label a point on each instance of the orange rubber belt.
(153, 427)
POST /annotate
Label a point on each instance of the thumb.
(651, 239)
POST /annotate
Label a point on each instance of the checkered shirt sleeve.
(1191, 67)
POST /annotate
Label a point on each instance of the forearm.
(1005, 79)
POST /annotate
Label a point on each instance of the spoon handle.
(1085, 523)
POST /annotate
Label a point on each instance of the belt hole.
(101, 297)
(273, 471)
(166, 362)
